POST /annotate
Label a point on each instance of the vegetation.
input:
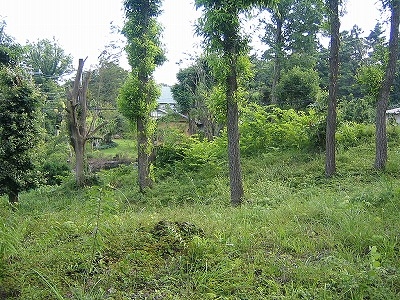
(296, 230)
(139, 94)
(19, 131)
(297, 236)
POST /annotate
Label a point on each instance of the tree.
(330, 159)
(77, 113)
(49, 63)
(48, 59)
(139, 93)
(292, 33)
(104, 86)
(298, 88)
(352, 54)
(19, 130)
(195, 84)
(220, 26)
(384, 93)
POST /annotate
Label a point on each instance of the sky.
(82, 27)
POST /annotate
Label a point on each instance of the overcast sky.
(82, 27)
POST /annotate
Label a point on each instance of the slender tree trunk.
(330, 160)
(235, 171)
(144, 151)
(13, 196)
(277, 60)
(383, 99)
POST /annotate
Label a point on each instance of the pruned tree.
(331, 120)
(77, 112)
(384, 93)
(139, 93)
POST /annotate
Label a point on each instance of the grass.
(298, 235)
(125, 148)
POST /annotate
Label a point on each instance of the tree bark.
(13, 196)
(277, 60)
(383, 98)
(330, 160)
(235, 170)
(77, 113)
(80, 162)
(144, 151)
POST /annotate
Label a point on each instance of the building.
(165, 103)
(394, 113)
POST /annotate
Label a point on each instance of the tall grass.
(298, 235)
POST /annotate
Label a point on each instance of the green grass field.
(298, 235)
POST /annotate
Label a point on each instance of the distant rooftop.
(166, 95)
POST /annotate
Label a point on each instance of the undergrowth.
(298, 235)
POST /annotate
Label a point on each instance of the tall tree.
(352, 54)
(292, 33)
(383, 98)
(77, 113)
(19, 118)
(138, 95)
(49, 63)
(220, 26)
(105, 83)
(195, 84)
(48, 59)
(330, 159)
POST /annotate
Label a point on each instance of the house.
(167, 115)
(393, 114)
(166, 103)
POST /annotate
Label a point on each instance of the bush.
(357, 110)
(351, 134)
(298, 88)
(266, 128)
(55, 168)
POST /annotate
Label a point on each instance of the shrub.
(55, 168)
(357, 110)
(298, 88)
(266, 128)
(351, 134)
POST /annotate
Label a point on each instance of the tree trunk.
(144, 151)
(277, 60)
(80, 162)
(381, 138)
(235, 171)
(330, 160)
(76, 107)
(13, 196)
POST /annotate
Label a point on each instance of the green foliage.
(357, 110)
(268, 128)
(19, 131)
(48, 60)
(55, 168)
(370, 78)
(298, 88)
(294, 238)
(104, 86)
(143, 34)
(10, 52)
(351, 134)
(137, 100)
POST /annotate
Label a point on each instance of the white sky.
(82, 27)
